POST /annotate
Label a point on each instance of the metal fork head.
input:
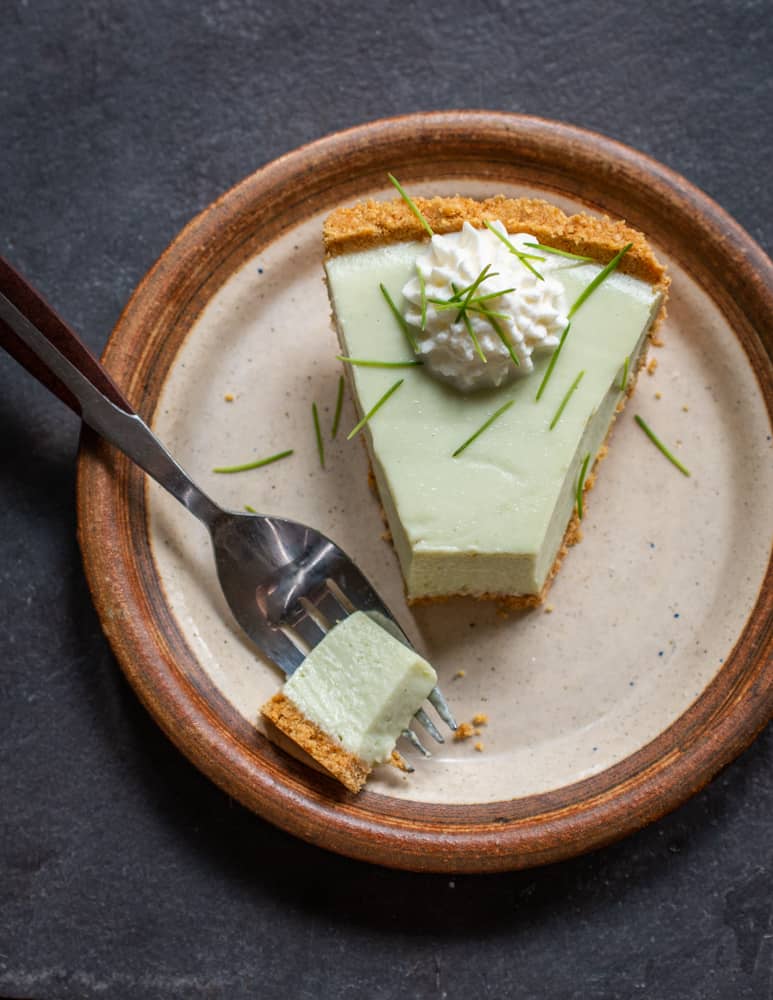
(286, 582)
(268, 567)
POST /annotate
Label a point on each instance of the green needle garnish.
(491, 295)
(624, 379)
(458, 293)
(474, 306)
(581, 483)
(476, 342)
(471, 290)
(423, 288)
(601, 276)
(368, 363)
(401, 320)
(377, 406)
(559, 253)
(492, 318)
(441, 304)
(254, 465)
(474, 303)
(339, 404)
(318, 433)
(552, 364)
(250, 510)
(660, 446)
(484, 426)
(468, 327)
(524, 258)
(488, 312)
(410, 203)
(565, 400)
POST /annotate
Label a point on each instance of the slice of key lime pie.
(349, 701)
(489, 347)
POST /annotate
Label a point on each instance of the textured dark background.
(123, 872)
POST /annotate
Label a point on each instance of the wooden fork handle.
(37, 311)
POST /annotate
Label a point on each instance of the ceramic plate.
(650, 666)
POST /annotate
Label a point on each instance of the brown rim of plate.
(129, 598)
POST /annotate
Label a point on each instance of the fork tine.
(275, 645)
(340, 595)
(440, 705)
(313, 612)
(331, 608)
(307, 630)
(414, 740)
(423, 719)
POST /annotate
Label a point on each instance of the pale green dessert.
(490, 521)
(351, 698)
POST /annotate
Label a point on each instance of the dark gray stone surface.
(123, 872)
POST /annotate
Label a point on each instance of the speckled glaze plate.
(650, 667)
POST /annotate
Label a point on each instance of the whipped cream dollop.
(530, 313)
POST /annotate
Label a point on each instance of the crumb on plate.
(463, 732)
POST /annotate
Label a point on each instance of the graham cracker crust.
(375, 223)
(335, 759)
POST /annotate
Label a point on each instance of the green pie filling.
(361, 686)
(491, 520)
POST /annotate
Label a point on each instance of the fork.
(285, 583)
